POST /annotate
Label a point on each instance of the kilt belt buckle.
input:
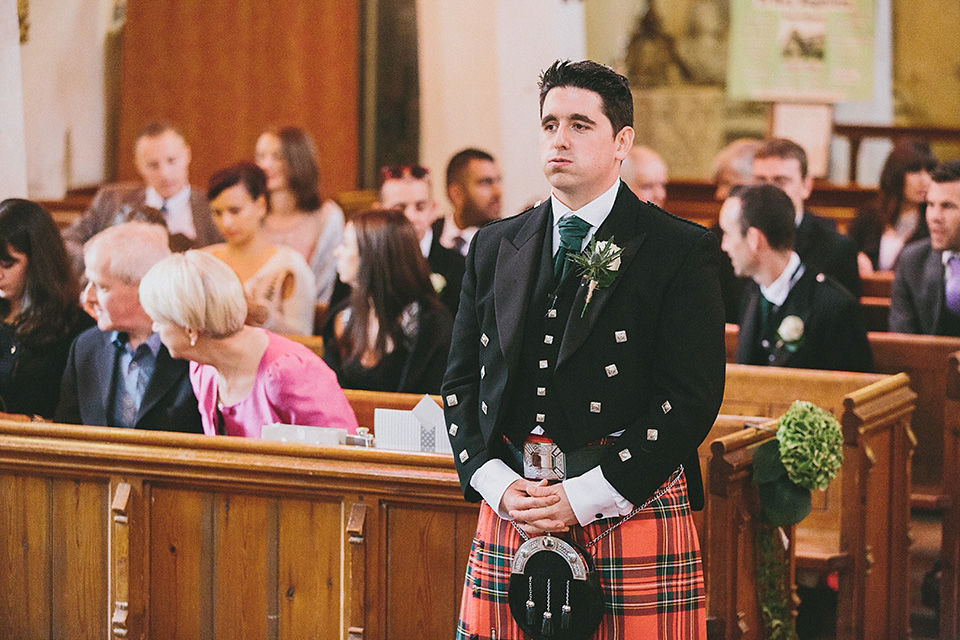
(543, 460)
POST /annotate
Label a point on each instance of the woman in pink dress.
(244, 377)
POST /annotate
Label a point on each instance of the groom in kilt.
(587, 366)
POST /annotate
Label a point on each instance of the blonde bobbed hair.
(196, 291)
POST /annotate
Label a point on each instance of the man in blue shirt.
(118, 373)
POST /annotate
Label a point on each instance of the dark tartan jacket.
(661, 322)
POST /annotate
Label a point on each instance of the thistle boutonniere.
(599, 265)
(790, 334)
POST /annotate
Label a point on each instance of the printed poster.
(801, 50)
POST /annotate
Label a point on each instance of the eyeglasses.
(398, 171)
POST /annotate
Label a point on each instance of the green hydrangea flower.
(811, 445)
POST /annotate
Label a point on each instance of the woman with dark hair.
(897, 217)
(279, 284)
(392, 334)
(299, 217)
(39, 309)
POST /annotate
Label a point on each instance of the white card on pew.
(303, 435)
(396, 429)
(430, 415)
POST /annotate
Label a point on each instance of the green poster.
(801, 50)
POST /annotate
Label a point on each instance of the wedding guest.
(392, 334)
(244, 377)
(645, 172)
(39, 310)
(792, 315)
(118, 373)
(279, 285)
(897, 217)
(299, 217)
(162, 158)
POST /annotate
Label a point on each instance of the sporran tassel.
(547, 628)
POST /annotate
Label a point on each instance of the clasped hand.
(538, 507)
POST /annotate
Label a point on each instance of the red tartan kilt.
(650, 571)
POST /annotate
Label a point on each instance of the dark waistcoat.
(531, 404)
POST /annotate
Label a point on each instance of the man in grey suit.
(926, 286)
(162, 157)
(118, 373)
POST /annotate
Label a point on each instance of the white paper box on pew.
(300, 434)
(422, 429)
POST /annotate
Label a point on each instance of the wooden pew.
(733, 608)
(314, 343)
(922, 358)
(876, 312)
(878, 284)
(950, 542)
(694, 200)
(873, 486)
(65, 211)
(105, 532)
(162, 535)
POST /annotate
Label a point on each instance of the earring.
(193, 337)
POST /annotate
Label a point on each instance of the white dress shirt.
(178, 213)
(780, 288)
(452, 231)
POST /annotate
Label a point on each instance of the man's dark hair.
(783, 148)
(768, 209)
(946, 172)
(457, 166)
(252, 177)
(613, 88)
(157, 128)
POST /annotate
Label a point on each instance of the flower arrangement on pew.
(805, 456)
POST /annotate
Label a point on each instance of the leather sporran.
(554, 590)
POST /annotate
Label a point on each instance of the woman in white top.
(299, 217)
(280, 287)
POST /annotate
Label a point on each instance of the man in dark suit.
(475, 191)
(623, 380)
(783, 163)
(926, 286)
(118, 373)
(409, 189)
(163, 159)
(791, 315)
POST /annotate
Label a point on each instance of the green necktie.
(766, 314)
(573, 230)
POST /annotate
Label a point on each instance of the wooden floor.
(820, 602)
(924, 550)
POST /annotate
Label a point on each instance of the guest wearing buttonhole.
(299, 216)
(279, 285)
(39, 310)
(897, 218)
(393, 333)
(791, 314)
(244, 377)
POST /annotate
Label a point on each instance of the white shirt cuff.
(491, 481)
(592, 497)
